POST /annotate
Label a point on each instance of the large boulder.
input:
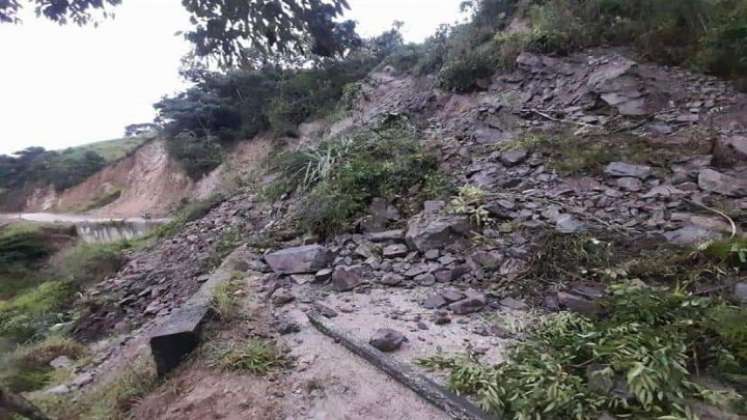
(426, 232)
(387, 340)
(299, 260)
(710, 180)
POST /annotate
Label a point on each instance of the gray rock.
(426, 233)
(346, 278)
(434, 302)
(395, 251)
(380, 214)
(299, 260)
(62, 362)
(391, 279)
(488, 260)
(451, 274)
(82, 380)
(740, 292)
(323, 274)
(472, 303)
(622, 169)
(513, 157)
(387, 236)
(58, 390)
(691, 235)
(514, 304)
(731, 149)
(452, 295)
(325, 311)
(387, 340)
(710, 180)
(282, 296)
(566, 223)
(630, 184)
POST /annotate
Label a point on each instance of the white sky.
(65, 86)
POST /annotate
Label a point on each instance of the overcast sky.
(65, 86)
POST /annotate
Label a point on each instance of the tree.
(224, 29)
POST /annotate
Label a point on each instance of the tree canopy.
(224, 29)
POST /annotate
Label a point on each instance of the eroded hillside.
(562, 237)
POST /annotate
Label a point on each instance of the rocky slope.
(591, 143)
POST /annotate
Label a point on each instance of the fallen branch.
(454, 405)
(720, 213)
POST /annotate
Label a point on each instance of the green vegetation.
(36, 294)
(470, 201)
(643, 360)
(110, 150)
(256, 356)
(27, 368)
(588, 155)
(111, 400)
(225, 303)
(343, 175)
(731, 251)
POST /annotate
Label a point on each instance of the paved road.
(70, 218)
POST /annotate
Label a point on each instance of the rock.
(434, 302)
(740, 292)
(441, 318)
(433, 207)
(513, 157)
(387, 236)
(731, 150)
(622, 169)
(387, 340)
(487, 260)
(82, 380)
(380, 214)
(323, 275)
(452, 295)
(299, 260)
(691, 235)
(346, 278)
(426, 233)
(325, 311)
(282, 296)
(566, 223)
(630, 184)
(391, 279)
(514, 304)
(472, 303)
(62, 362)
(710, 180)
(426, 279)
(579, 304)
(58, 390)
(288, 326)
(395, 251)
(451, 274)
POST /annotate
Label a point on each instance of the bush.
(636, 364)
(197, 155)
(462, 75)
(344, 175)
(32, 312)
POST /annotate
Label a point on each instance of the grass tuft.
(255, 356)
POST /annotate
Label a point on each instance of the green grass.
(27, 367)
(110, 150)
(256, 356)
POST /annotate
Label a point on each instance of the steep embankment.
(147, 182)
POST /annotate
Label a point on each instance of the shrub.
(344, 175)
(462, 75)
(33, 311)
(633, 364)
(86, 264)
(197, 155)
